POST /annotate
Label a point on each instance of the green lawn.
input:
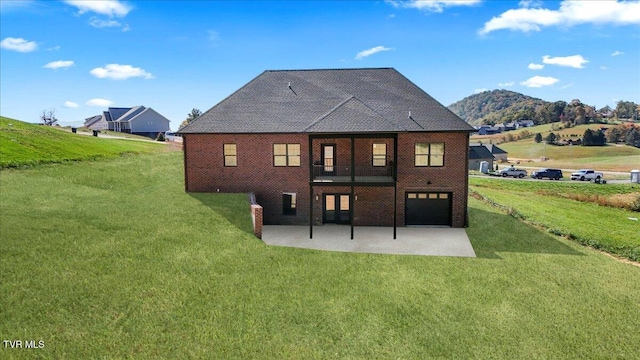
(603, 158)
(545, 203)
(25, 144)
(111, 259)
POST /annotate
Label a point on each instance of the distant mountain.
(496, 106)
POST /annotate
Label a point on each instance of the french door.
(336, 209)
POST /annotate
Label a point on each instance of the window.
(429, 154)
(379, 154)
(288, 203)
(230, 155)
(286, 154)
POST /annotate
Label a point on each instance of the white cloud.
(507, 84)
(436, 6)
(213, 37)
(71, 104)
(99, 23)
(617, 53)
(533, 66)
(99, 102)
(105, 7)
(530, 3)
(604, 68)
(570, 13)
(369, 52)
(54, 48)
(9, 5)
(539, 81)
(18, 44)
(120, 72)
(59, 64)
(574, 61)
(481, 90)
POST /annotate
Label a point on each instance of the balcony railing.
(338, 173)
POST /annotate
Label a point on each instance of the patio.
(425, 241)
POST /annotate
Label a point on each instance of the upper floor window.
(230, 155)
(429, 154)
(379, 154)
(286, 154)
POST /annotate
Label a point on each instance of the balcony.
(342, 174)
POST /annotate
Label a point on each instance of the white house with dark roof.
(138, 120)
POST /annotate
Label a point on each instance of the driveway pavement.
(430, 241)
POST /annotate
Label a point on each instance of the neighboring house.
(498, 154)
(488, 130)
(138, 120)
(365, 147)
(96, 122)
(477, 154)
(505, 127)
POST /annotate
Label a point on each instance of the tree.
(633, 138)
(625, 109)
(593, 138)
(550, 139)
(613, 134)
(48, 117)
(538, 138)
(194, 114)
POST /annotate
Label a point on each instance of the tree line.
(628, 134)
(503, 106)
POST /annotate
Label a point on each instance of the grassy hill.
(611, 157)
(23, 144)
(113, 259)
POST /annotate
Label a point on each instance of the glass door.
(328, 158)
(336, 209)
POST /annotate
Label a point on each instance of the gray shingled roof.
(479, 152)
(325, 101)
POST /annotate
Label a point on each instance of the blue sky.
(79, 57)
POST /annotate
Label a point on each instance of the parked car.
(512, 171)
(552, 174)
(171, 136)
(587, 174)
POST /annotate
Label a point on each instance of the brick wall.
(452, 177)
(205, 172)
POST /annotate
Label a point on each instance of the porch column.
(395, 184)
(310, 187)
(353, 179)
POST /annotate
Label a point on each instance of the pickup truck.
(587, 174)
(511, 171)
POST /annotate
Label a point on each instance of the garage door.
(428, 208)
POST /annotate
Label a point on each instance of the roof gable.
(116, 113)
(131, 113)
(347, 100)
(350, 115)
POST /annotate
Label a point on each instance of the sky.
(81, 57)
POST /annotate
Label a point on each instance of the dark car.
(552, 174)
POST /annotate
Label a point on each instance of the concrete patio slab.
(431, 241)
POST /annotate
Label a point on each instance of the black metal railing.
(322, 171)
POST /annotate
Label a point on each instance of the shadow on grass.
(232, 207)
(491, 233)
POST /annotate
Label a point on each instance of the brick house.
(364, 147)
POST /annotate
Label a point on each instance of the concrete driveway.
(429, 241)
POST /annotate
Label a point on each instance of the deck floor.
(426, 241)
